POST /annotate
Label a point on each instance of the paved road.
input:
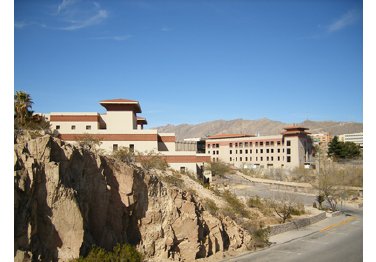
(335, 239)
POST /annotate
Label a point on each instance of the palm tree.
(22, 107)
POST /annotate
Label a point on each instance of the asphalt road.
(339, 239)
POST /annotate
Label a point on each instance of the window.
(182, 169)
(236, 144)
(278, 158)
(73, 127)
(256, 158)
(236, 151)
(278, 143)
(272, 150)
(261, 151)
(241, 159)
(271, 158)
(267, 158)
(57, 127)
(246, 144)
(213, 152)
(278, 150)
(246, 158)
(208, 152)
(88, 127)
(288, 143)
(217, 145)
(230, 152)
(261, 143)
(272, 143)
(250, 143)
(267, 143)
(217, 152)
(240, 151)
(131, 148)
(288, 151)
(246, 151)
(230, 158)
(256, 143)
(230, 144)
(256, 151)
(267, 150)
(240, 144)
(208, 145)
(260, 158)
(289, 159)
(250, 159)
(114, 147)
(250, 151)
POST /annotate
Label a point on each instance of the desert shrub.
(151, 160)
(120, 253)
(252, 172)
(173, 180)
(284, 205)
(124, 155)
(262, 205)
(88, 141)
(298, 210)
(219, 168)
(235, 205)
(259, 233)
(211, 206)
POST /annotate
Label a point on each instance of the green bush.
(262, 205)
(120, 253)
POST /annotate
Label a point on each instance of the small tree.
(151, 160)
(342, 150)
(125, 155)
(219, 168)
(284, 205)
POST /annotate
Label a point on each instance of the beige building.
(121, 126)
(356, 138)
(292, 148)
(322, 140)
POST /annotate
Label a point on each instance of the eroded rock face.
(68, 199)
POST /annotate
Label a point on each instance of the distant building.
(356, 138)
(120, 126)
(292, 148)
(322, 140)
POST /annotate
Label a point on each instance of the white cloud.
(345, 20)
(65, 4)
(90, 21)
(115, 38)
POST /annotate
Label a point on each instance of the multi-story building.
(292, 148)
(322, 140)
(119, 127)
(356, 138)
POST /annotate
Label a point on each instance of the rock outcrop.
(68, 199)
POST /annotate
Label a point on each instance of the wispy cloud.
(115, 38)
(345, 20)
(65, 4)
(22, 24)
(95, 19)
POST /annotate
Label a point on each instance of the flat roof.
(222, 136)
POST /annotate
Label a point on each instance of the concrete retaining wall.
(296, 224)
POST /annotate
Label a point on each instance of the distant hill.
(262, 126)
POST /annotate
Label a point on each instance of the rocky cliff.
(68, 199)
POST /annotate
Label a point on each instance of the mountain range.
(262, 126)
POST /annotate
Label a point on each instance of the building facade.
(321, 140)
(356, 138)
(119, 127)
(292, 148)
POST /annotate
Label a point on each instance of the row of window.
(271, 150)
(73, 127)
(288, 159)
(115, 147)
(250, 144)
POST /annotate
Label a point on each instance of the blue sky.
(193, 61)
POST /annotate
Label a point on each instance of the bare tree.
(284, 204)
